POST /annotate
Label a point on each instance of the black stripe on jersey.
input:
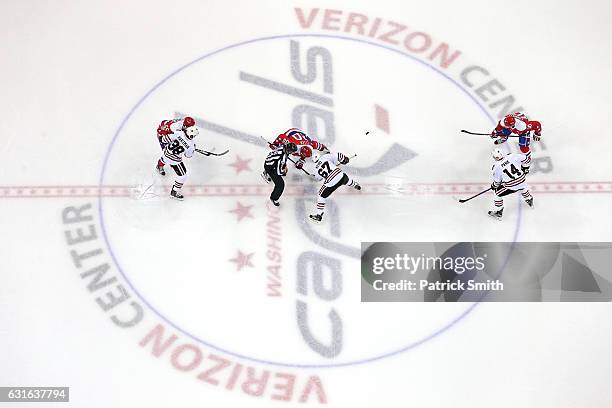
(332, 175)
(277, 159)
(179, 169)
(172, 156)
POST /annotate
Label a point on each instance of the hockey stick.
(207, 153)
(289, 158)
(485, 134)
(474, 196)
(301, 168)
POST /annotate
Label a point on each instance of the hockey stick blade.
(219, 154)
(207, 153)
(474, 133)
(463, 200)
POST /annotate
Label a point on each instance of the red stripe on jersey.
(515, 182)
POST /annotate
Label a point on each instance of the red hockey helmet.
(188, 122)
(305, 151)
(509, 121)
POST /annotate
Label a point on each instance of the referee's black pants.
(279, 183)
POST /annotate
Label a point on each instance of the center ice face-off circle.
(181, 258)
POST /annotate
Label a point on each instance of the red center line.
(231, 190)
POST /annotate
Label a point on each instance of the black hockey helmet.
(290, 147)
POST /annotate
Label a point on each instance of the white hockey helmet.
(191, 132)
(497, 154)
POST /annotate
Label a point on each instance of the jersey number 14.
(514, 171)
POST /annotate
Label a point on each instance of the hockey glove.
(537, 137)
(495, 186)
(525, 169)
(299, 164)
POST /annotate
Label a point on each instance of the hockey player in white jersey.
(327, 167)
(509, 173)
(166, 128)
(177, 145)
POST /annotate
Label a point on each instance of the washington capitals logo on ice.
(253, 297)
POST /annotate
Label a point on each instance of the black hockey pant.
(279, 183)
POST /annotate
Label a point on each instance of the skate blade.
(494, 217)
(315, 220)
(177, 198)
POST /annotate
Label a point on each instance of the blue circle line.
(228, 352)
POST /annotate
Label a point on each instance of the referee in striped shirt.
(275, 167)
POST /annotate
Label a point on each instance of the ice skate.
(497, 214)
(316, 217)
(160, 170)
(176, 195)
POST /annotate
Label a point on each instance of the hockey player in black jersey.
(275, 168)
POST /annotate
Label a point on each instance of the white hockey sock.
(527, 161)
(499, 204)
(321, 205)
(526, 195)
(177, 185)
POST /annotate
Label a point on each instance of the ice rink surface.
(133, 299)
